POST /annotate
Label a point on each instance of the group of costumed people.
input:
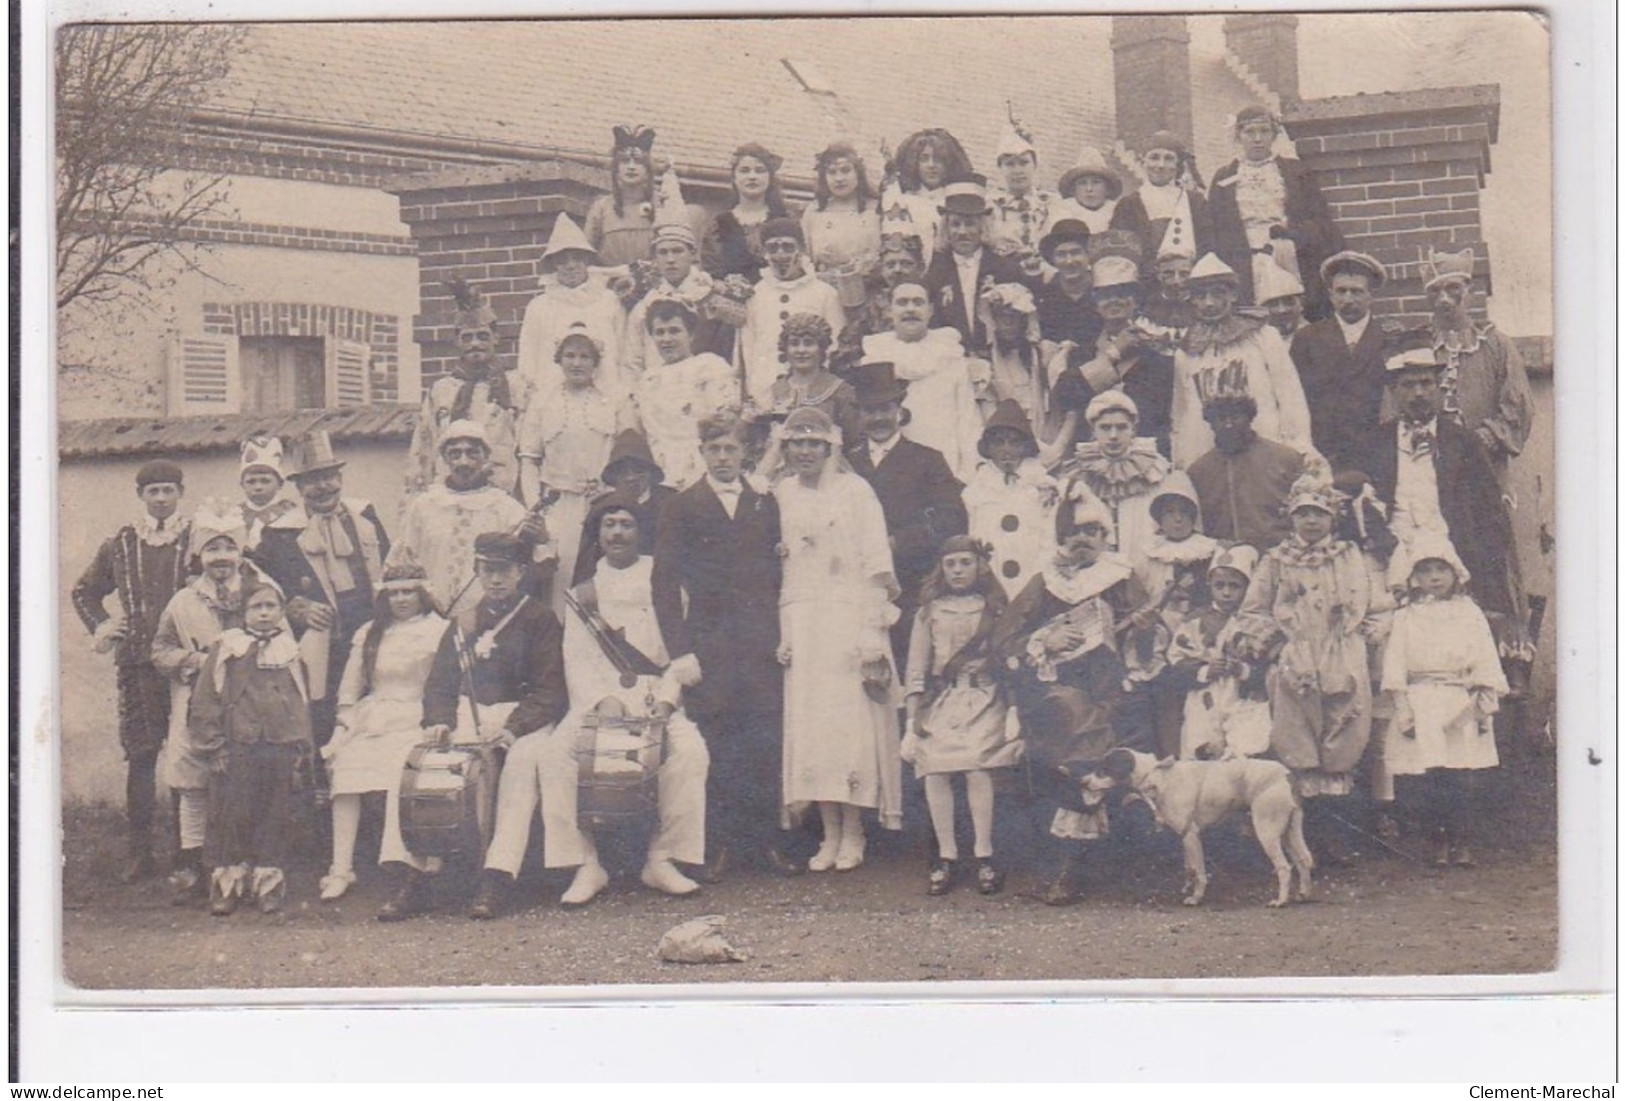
(961, 477)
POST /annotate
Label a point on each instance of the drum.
(618, 758)
(447, 799)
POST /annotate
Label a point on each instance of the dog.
(1189, 796)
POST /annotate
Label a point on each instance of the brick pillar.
(1268, 45)
(1151, 63)
(1402, 172)
(488, 225)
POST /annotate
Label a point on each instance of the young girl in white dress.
(958, 713)
(380, 714)
(835, 608)
(1443, 672)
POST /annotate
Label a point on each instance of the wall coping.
(1308, 117)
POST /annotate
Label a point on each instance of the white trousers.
(391, 847)
(680, 834)
(519, 791)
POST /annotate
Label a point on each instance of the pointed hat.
(567, 237)
(1015, 140)
(1211, 267)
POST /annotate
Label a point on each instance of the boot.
(270, 888)
(493, 891)
(411, 896)
(226, 886)
(188, 882)
(1066, 887)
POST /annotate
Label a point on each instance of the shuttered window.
(347, 373)
(203, 375)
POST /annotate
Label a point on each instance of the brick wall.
(1151, 64)
(490, 225)
(1402, 172)
(1268, 45)
(380, 332)
(231, 151)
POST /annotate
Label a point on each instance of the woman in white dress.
(380, 714)
(841, 691)
(682, 390)
(566, 438)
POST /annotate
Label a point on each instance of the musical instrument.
(618, 759)
(448, 796)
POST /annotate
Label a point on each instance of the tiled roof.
(176, 435)
(704, 85)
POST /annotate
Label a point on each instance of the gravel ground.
(1387, 913)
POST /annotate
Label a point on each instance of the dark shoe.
(141, 866)
(941, 880)
(782, 865)
(1463, 857)
(989, 880)
(223, 905)
(713, 870)
(410, 898)
(1066, 888)
(187, 885)
(493, 891)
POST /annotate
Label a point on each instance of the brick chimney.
(1402, 172)
(488, 225)
(1267, 45)
(1151, 61)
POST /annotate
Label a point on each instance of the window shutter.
(348, 383)
(203, 375)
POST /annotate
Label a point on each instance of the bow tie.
(1422, 440)
(727, 489)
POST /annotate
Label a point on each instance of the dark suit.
(1344, 386)
(729, 570)
(923, 505)
(1471, 503)
(948, 304)
(1308, 223)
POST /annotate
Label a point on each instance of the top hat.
(311, 453)
(876, 383)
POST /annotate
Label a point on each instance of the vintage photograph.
(550, 503)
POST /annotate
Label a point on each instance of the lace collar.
(1196, 548)
(146, 530)
(1205, 336)
(1073, 585)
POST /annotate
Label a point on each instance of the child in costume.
(1443, 671)
(1173, 572)
(959, 718)
(250, 722)
(1010, 500)
(1219, 659)
(380, 714)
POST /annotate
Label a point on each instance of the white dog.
(1189, 796)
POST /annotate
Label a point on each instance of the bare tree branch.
(124, 94)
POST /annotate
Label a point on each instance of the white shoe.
(334, 885)
(662, 875)
(850, 854)
(590, 881)
(824, 859)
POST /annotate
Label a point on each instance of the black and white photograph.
(758, 503)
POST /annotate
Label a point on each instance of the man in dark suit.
(958, 274)
(1340, 359)
(716, 596)
(918, 493)
(328, 558)
(1432, 472)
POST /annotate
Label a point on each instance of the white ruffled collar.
(1076, 586)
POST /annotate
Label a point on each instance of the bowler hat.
(1067, 229)
(876, 383)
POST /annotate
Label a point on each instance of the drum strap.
(626, 658)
